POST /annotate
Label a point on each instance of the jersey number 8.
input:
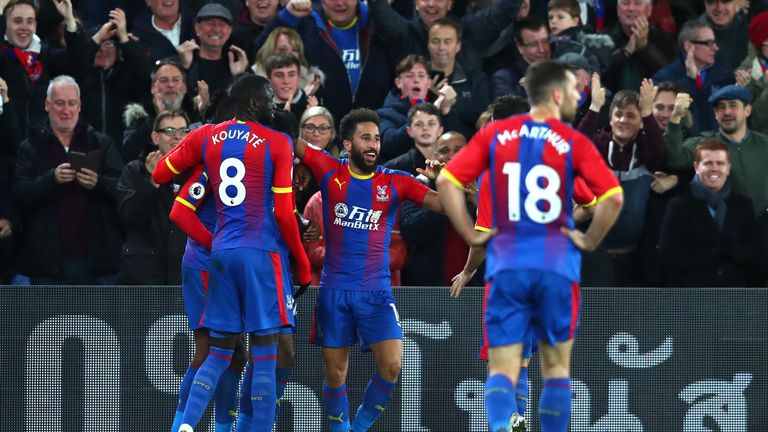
(235, 181)
(536, 193)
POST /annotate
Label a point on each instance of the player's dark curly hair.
(349, 123)
(251, 98)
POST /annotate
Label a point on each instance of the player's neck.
(543, 112)
(357, 172)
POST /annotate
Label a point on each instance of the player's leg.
(379, 326)
(507, 317)
(264, 360)
(335, 367)
(194, 287)
(200, 337)
(285, 360)
(225, 396)
(245, 416)
(333, 328)
(207, 377)
(557, 316)
(519, 423)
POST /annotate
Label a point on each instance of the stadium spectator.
(168, 92)
(213, 61)
(405, 37)
(436, 252)
(425, 125)
(696, 72)
(752, 74)
(664, 105)
(633, 148)
(153, 245)
(113, 72)
(730, 26)
(640, 49)
(283, 73)
(707, 238)
(251, 21)
(582, 69)
(286, 40)
(532, 40)
(412, 86)
(339, 40)
(27, 64)
(471, 86)
(8, 143)
(316, 126)
(748, 148)
(71, 233)
(161, 27)
(568, 35)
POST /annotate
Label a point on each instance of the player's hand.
(432, 170)
(459, 282)
(87, 178)
(480, 238)
(63, 173)
(579, 239)
(302, 289)
(597, 92)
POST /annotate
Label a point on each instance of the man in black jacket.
(153, 245)
(65, 188)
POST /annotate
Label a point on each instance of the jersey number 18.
(536, 193)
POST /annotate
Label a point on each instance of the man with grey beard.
(167, 92)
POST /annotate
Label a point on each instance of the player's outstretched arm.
(474, 259)
(454, 204)
(606, 212)
(432, 202)
(186, 219)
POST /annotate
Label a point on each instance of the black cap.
(214, 10)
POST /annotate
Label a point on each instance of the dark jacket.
(376, 74)
(472, 98)
(105, 93)
(35, 191)
(28, 98)
(626, 72)
(507, 80)
(479, 30)
(696, 253)
(408, 161)
(155, 45)
(153, 245)
(715, 77)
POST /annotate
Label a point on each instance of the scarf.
(29, 58)
(715, 200)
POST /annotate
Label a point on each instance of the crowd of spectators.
(94, 91)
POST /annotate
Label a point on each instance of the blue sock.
(499, 401)
(245, 418)
(226, 400)
(555, 405)
(204, 384)
(263, 400)
(522, 391)
(282, 376)
(375, 399)
(186, 384)
(336, 407)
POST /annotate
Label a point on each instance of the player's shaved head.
(541, 78)
(251, 98)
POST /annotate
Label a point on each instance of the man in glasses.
(532, 40)
(153, 245)
(730, 26)
(696, 72)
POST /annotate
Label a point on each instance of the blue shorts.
(250, 290)
(531, 304)
(341, 315)
(194, 288)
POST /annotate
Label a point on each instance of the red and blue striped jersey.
(532, 168)
(247, 164)
(359, 213)
(194, 195)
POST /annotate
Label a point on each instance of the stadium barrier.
(111, 359)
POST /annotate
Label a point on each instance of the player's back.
(532, 168)
(239, 157)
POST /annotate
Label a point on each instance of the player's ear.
(347, 145)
